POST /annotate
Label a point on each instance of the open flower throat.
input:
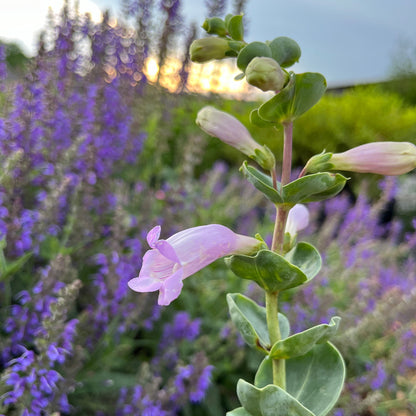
(172, 260)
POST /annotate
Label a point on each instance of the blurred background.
(98, 144)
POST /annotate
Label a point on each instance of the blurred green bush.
(339, 121)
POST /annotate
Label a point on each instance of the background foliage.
(93, 155)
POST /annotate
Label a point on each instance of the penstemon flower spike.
(303, 373)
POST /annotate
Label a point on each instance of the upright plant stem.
(287, 152)
(279, 367)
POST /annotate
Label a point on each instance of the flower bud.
(265, 73)
(229, 130)
(297, 220)
(215, 26)
(318, 163)
(207, 49)
(384, 158)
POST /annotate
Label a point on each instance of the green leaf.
(264, 374)
(250, 320)
(256, 120)
(316, 187)
(236, 46)
(270, 400)
(314, 379)
(13, 267)
(240, 411)
(239, 76)
(235, 27)
(262, 182)
(250, 51)
(269, 270)
(306, 257)
(300, 94)
(302, 342)
(285, 51)
(275, 273)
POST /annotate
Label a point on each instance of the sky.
(348, 41)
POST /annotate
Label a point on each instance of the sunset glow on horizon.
(215, 77)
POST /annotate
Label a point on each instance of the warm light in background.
(216, 77)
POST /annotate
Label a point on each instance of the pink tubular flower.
(172, 260)
(384, 158)
(228, 129)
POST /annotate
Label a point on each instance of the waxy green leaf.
(285, 51)
(240, 411)
(306, 257)
(235, 27)
(269, 270)
(274, 272)
(256, 120)
(250, 320)
(262, 182)
(270, 400)
(314, 379)
(311, 188)
(300, 94)
(302, 342)
(250, 51)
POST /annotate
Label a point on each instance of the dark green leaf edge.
(254, 331)
(302, 342)
(262, 182)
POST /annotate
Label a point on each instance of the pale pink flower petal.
(171, 289)
(153, 236)
(172, 260)
(297, 220)
(167, 250)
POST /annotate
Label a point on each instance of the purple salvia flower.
(380, 377)
(202, 385)
(171, 261)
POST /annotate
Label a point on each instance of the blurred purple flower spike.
(183, 254)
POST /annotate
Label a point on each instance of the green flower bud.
(266, 74)
(319, 163)
(215, 26)
(207, 49)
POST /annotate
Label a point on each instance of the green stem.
(287, 152)
(279, 228)
(282, 211)
(279, 367)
